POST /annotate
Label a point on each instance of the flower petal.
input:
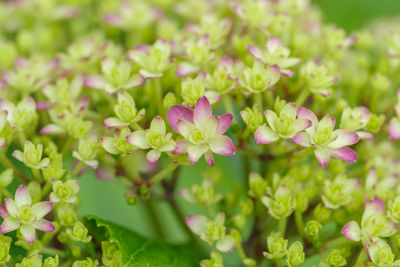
(344, 138)
(305, 113)
(138, 138)
(394, 128)
(302, 139)
(3, 212)
(19, 155)
(112, 122)
(42, 208)
(158, 125)
(9, 224)
(224, 122)
(135, 81)
(256, 52)
(209, 158)
(43, 225)
(52, 129)
(372, 207)
(345, 154)
(271, 118)
(365, 135)
(226, 244)
(95, 81)
(185, 69)
(28, 233)
(195, 152)
(264, 135)
(22, 196)
(11, 207)
(167, 146)
(177, 113)
(185, 128)
(202, 111)
(197, 223)
(222, 145)
(352, 231)
(289, 110)
(153, 155)
(181, 147)
(301, 124)
(323, 156)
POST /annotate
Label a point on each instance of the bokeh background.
(106, 199)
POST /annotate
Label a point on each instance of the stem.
(77, 169)
(226, 100)
(395, 246)
(278, 262)
(302, 97)
(53, 252)
(7, 163)
(299, 223)
(163, 173)
(38, 176)
(158, 95)
(65, 148)
(211, 212)
(258, 100)
(154, 219)
(337, 243)
(46, 189)
(361, 258)
(282, 226)
(269, 98)
(240, 251)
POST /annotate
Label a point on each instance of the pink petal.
(148, 75)
(43, 105)
(222, 145)
(11, 207)
(105, 173)
(196, 151)
(305, 113)
(352, 231)
(181, 147)
(344, 138)
(52, 129)
(28, 232)
(185, 69)
(95, 81)
(273, 43)
(287, 73)
(302, 139)
(44, 225)
(264, 135)
(224, 122)
(202, 111)
(19, 155)
(375, 205)
(3, 212)
(209, 158)
(153, 156)
(226, 62)
(323, 156)
(365, 135)
(178, 112)
(111, 123)
(9, 224)
(197, 223)
(302, 124)
(42, 208)
(22, 196)
(226, 244)
(256, 52)
(138, 139)
(345, 154)
(394, 128)
(113, 20)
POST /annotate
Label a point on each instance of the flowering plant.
(186, 133)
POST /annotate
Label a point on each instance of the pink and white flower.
(202, 131)
(327, 141)
(21, 214)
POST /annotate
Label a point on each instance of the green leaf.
(138, 251)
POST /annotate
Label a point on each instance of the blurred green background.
(106, 199)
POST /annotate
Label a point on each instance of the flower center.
(26, 214)
(198, 137)
(154, 138)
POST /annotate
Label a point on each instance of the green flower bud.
(302, 201)
(29, 262)
(252, 117)
(318, 78)
(126, 109)
(380, 253)
(169, 100)
(257, 185)
(375, 123)
(6, 177)
(79, 233)
(246, 207)
(32, 156)
(295, 254)
(215, 260)
(338, 192)
(277, 247)
(321, 213)
(26, 116)
(51, 262)
(248, 262)
(192, 89)
(5, 243)
(199, 52)
(380, 82)
(77, 127)
(335, 258)
(354, 119)
(394, 209)
(35, 190)
(86, 263)
(55, 170)
(220, 81)
(117, 144)
(239, 220)
(66, 214)
(214, 232)
(282, 204)
(111, 254)
(65, 192)
(260, 77)
(8, 52)
(313, 228)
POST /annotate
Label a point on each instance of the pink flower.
(326, 140)
(21, 214)
(202, 131)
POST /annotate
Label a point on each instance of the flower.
(326, 141)
(155, 138)
(277, 247)
(21, 214)
(394, 125)
(318, 78)
(202, 131)
(65, 191)
(87, 151)
(275, 54)
(356, 119)
(260, 77)
(32, 156)
(285, 126)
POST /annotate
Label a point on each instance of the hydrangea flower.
(202, 131)
(32, 156)
(394, 125)
(356, 119)
(21, 214)
(259, 77)
(285, 126)
(156, 138)
(275, 54)
(325, 139)
(318, 78)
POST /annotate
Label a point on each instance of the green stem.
(269, 98)
(395, 246)
(240, 251)
(46, 189)
(337, 243)
(53, 252)
(158, 95)
(258, 100)
(38, 176)
(279, 263)
(154, 219)
(163, 173)
(66, 147)
(7, 163)
(77, 169)
(302, 97)
(299, 223)
(282, 226)
(211, 212)
(227, 101)
(361, 258)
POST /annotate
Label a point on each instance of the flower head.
(325, 139)
(21, 214)
(202, 131)
(32, 156)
